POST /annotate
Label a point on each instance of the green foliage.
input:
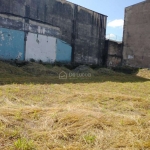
(89, 138)
(18, 116)
(24, 144)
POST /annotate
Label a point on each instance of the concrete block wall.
(83, 29)
(63, 51)
(21, 46)
(113, 55)
(47, 49)
(136, 40)
(40, 47)
(11, 44)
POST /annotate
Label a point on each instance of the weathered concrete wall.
(63, 52)
(19, 23)
(83, 29)
(11, 44)
(40, 47)
(114, 53)
(136, 50)
(47, 49)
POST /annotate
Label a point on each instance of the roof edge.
(87, 8)
(136, 4)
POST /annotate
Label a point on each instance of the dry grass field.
(38, 111)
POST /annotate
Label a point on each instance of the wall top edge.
(83, 7)
(137, 4)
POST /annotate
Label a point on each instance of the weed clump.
(23, 144)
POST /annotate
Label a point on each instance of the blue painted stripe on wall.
(11, 44)
(63, 52)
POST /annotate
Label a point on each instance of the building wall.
(11, 44)
(40, 47)
(47, 49)
(136, 50)
(63, 52)
(83, 29)
(12, 21)
(16, 45)
(114, 53)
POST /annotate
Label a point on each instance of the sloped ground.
(144, 73)
(109, 111)
(7, 69)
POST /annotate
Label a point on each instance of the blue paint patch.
(11, 44)
(63, 52)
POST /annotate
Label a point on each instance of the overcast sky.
(114, 9)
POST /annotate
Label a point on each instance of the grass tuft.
(23, 144)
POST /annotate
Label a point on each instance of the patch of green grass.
(89, 138)
(18, 116)
(23, 144)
